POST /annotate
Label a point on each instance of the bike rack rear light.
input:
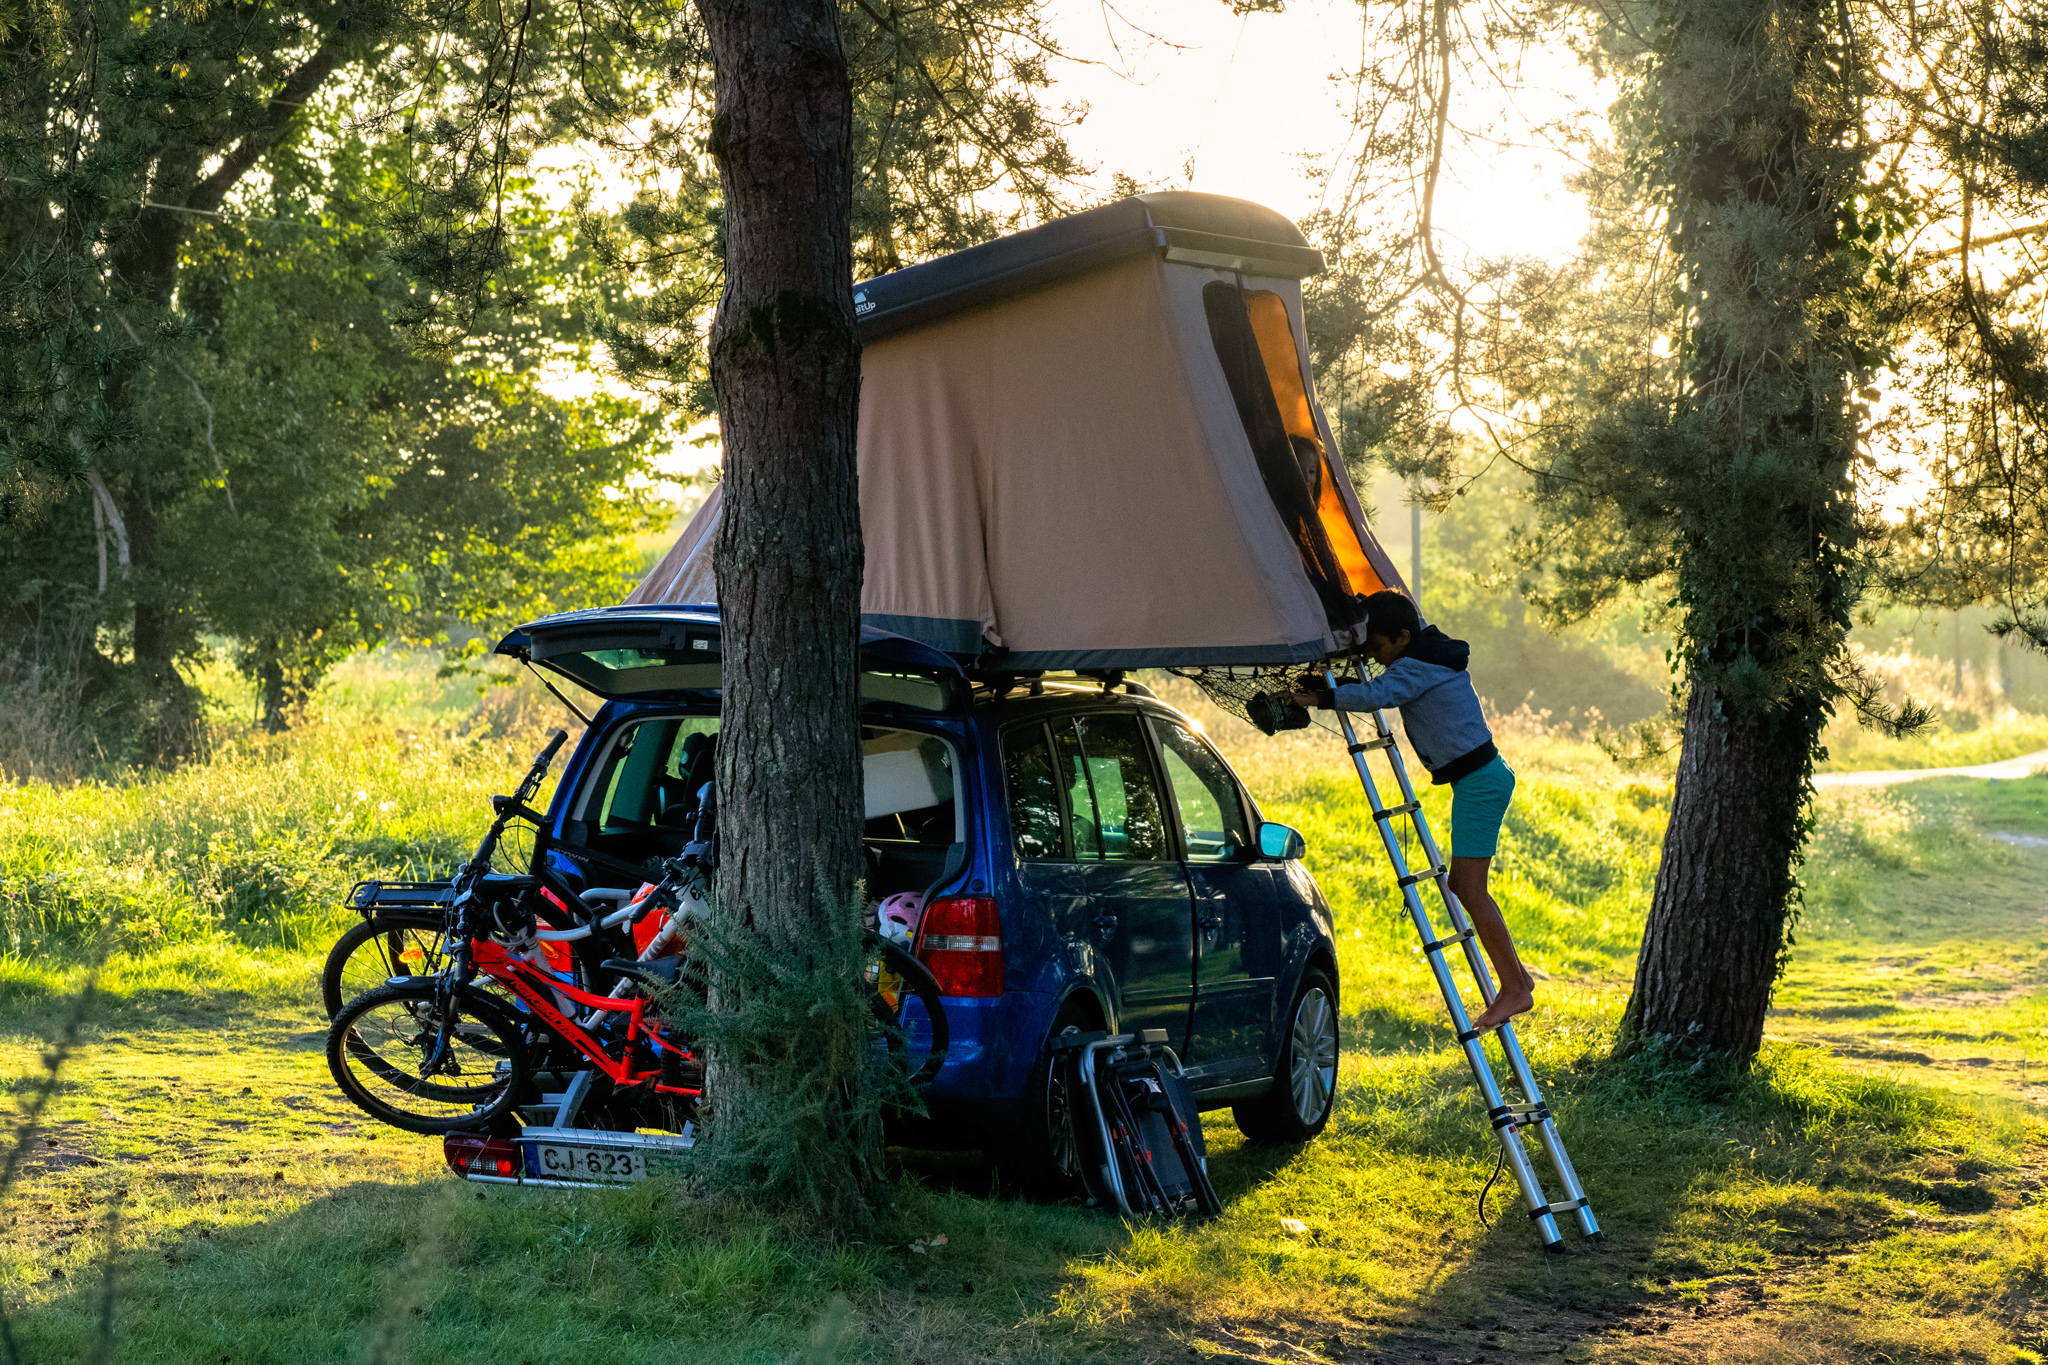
(960, 938)
(475, 1154)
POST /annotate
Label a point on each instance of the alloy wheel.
(1313, 1075)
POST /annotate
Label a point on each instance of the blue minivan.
(1087, 861)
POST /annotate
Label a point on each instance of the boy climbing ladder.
(1426, 679)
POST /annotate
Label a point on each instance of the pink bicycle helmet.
(899, 915)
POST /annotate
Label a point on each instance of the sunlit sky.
(1240, 105)
(1183, 94)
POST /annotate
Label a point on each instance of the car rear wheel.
(1304, 1089)
(1043, 1157)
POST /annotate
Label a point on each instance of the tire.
(378, 1042)
(1304, 1089)
(1043, 1157)
(912, 980)
(376, 950)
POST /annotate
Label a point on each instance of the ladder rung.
(1508, 1120)
(1519, 1115)
(1562, 1206)
(1461, 936)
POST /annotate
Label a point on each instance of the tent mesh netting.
(1259, 694)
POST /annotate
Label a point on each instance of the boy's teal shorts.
(1479, 802)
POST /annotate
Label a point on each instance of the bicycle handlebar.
(508, 808)
(539, 771)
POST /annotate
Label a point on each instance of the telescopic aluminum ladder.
(1508, 1119)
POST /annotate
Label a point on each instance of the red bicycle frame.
(537, 988)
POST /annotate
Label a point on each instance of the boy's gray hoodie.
(1438, 706)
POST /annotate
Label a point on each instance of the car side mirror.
(1280, 841)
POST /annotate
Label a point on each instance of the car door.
(1236, 919)
(1136, 891)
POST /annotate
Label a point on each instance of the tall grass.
(1573, 874)
(1854, 749)
(258, 845)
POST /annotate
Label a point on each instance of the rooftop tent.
(1096, 444)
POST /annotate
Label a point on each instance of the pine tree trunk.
(1717, 918)
(1751, 126)
(785, 362)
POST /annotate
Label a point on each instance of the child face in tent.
(1383, 650)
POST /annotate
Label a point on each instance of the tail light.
(470, 1154)
(960, 939)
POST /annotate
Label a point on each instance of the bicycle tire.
(377, 949)
(379, 1067)
(920, 983)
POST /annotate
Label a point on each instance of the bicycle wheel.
(916, 1038)
(373, 952)
(402, 1065)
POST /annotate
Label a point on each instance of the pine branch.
(209, 193)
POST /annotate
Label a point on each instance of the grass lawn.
(201, 1193)
(1851, 749)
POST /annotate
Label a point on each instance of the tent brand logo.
(861, 304)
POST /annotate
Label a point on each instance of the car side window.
(1034, 795)
(1212, 820)
(1079, 780)
(1129, 818)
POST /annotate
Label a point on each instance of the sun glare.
(1190, 96)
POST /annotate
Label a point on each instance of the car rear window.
(1035, 821)
(1091, 795)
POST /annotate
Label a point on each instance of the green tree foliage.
(120, 129)
(953, 144)
(1773, 319)
(317, 486)
(1953, 221)
(846, 139)
(1413, 340)
(1736, 483)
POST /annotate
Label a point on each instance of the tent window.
(1254, 342)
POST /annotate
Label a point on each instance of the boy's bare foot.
(1507, 1003)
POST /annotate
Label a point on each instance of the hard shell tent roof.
(1096, 444)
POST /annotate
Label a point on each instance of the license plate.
(561, 1162)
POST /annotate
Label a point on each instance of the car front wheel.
(1304, 1089)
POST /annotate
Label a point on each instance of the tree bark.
(1717, 921)
(1753, 126)
(785, 363)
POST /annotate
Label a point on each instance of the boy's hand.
(1313, 700)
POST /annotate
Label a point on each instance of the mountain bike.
(404, 924)
(437, 1053)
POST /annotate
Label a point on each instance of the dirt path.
(2005, 770)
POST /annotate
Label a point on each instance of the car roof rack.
(994, 685)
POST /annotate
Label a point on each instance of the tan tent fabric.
(1063, 479)
(684, 575)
